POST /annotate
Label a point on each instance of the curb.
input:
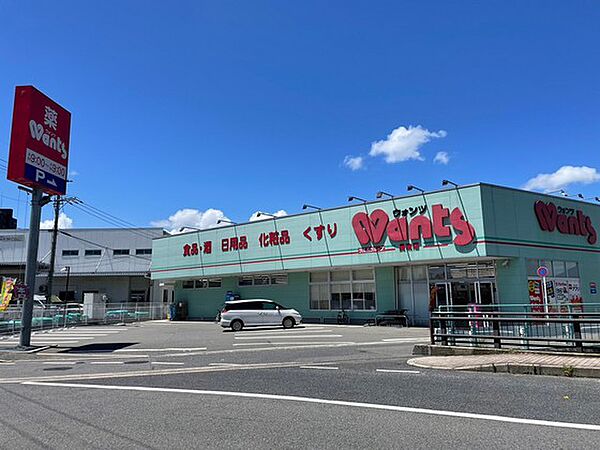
(517, 369)
(18, 353)
(440, 350)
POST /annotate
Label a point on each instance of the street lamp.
(226, 221)
(447, 182)
(306, 206)
(410, 187)
(382, 193)
(352, 197)
(68, 270)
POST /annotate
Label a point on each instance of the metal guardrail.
(574, 329)
(60, 316)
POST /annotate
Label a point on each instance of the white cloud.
(194, 218)
(403, 144)
(562, 178)
(64, 222)
(441, 158)
(354, 162)
(254, 217)
(73, 174)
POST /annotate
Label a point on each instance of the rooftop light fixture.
(447, 182)
(382, 193)
(352, 197)
(306, 206)
(411, 187)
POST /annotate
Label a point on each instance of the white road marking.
(55, 338)
(224, 364)
(289, 343)
(376, 406)
(61, 331)
(292, 331)
(168, 349)
(164, 363)
(291, 337)
(320, 367)
(407, 339)
(44, 342)
(396, 371)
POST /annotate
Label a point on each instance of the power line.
(105, 217)
(101, 245)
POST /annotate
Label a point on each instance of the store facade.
(472, 244)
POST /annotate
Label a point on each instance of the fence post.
(577, 333)
(443, 331)
(496, 332)
(431, 330)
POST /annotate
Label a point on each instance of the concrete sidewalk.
(519, 363)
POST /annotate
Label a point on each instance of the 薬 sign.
(39, 145)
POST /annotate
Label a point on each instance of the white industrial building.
(110, 261)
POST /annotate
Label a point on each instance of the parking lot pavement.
(199, 346)
(67, 337)
(165, 336)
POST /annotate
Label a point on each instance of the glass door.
(442, 293)
(485, 290)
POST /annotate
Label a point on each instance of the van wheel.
(237, 325)
(288, 322)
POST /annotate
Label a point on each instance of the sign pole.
(545, 291)
(31, 267)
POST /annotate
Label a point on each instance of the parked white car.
(257, 312)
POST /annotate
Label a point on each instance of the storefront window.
(214, 282)
(280, 278)
(364, 274)
(348, 290)
(572, 269)
(245, 281)
(437, 272)
(340, 275)
(319, 296)
(486, 270)
(404, 273)
(319, 277)
(562, 285)
(558, 268)
(457, 271)
(419, 273)
(271, 279)
(202, 283)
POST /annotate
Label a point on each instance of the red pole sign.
(39, 144)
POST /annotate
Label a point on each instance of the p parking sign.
(39, 143)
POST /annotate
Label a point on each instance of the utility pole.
(53, 250)
(37, 201)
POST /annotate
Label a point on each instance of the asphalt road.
(353, 392)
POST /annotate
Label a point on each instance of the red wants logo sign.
(565, 220)
(372, 229)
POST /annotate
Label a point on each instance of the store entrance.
(463, 293)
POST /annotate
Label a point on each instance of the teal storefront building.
(470, 244)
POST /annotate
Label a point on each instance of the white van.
(257, 312)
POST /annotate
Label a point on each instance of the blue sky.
(244, 106)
